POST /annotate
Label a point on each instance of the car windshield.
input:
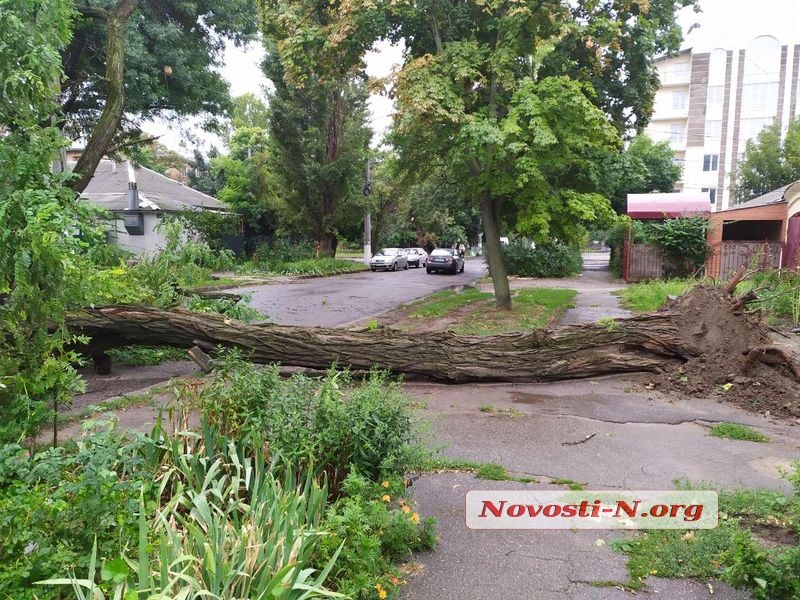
(442, 252)
(387, 252)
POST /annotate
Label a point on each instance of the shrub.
(56, 504)
(329, 425)
(373, 525)
(552, 260)
(281, 251)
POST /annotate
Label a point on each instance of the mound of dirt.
(732, 354)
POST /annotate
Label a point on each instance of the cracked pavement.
(640, 440)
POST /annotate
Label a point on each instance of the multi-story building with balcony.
(711, 103)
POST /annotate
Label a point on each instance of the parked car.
(389, 259)
(445, 259)
(417, 257)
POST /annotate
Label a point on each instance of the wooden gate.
(641, 262)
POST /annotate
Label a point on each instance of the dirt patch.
(773, 536)
(719, 337)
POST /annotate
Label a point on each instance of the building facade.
(711, 103)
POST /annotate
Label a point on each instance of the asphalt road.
(342, 299)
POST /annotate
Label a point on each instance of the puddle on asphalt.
(524, 398)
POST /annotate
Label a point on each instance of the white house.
(138, 199)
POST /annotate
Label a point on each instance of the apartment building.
(711, 103)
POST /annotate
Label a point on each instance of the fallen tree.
(643, 343)
(707, 330)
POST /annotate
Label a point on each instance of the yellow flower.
(380, 590)
(386, 498)
(415, 518)
(405, 508)
(385, 484)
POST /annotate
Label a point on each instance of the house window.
(712, 194)
(716, 95)
(679, 100)
(677, 135)
(713, 130)
(710, 162)
(759, 97)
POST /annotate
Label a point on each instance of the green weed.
(734, 431)
(652, 295)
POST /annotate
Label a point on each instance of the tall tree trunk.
(330, 188)
(108, 124)
(494, 256)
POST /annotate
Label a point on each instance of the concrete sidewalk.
(638, 442)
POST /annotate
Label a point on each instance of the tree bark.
(644, 343)
(494, 256)
(108, 124)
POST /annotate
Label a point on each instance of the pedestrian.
(462, 249)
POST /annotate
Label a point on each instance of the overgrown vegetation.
(273, 496)
(778, 293)
(755, 547)
(682, 242)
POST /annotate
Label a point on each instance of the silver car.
(417, 257)
(389, 259)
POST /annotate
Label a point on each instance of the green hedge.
(552, 260)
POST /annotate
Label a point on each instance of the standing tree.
(644, 167)
(318, 110)
(769, 162)
(502, 91)
(132, 59)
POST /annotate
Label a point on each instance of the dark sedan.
(445, 259)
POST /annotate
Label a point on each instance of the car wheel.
(373, 270)
(428, 271)
(394, 267)
(405, 267)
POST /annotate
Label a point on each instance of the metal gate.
(756, 255)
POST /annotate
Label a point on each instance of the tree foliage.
(247, 183)
(644, 167)
(522, 99)
(769, 162)
(139, 59)
(40, 267)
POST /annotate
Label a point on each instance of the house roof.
(773, 197)
(108, 189)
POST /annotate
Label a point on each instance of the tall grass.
(652, 295)
(778, 293)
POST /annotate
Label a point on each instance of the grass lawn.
(472, 312)
(440, 303)
(651, 295)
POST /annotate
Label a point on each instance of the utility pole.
(367, 217)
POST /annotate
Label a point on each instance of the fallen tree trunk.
(644, 343)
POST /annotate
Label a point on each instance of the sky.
(728, 24)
